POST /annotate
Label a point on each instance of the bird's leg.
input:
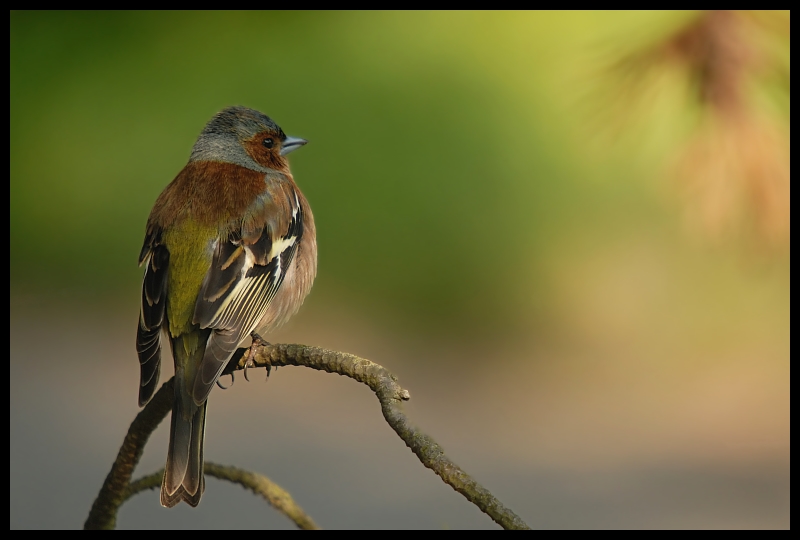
(257, 341)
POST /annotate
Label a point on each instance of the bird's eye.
(268, 143)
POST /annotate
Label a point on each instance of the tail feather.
(219, 350)
(183, 475)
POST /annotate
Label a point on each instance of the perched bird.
(229, 250)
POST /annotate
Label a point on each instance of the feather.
(222, 256)
(245, 275)
(151, 316)
(183, 474)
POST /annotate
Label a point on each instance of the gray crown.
(221, 139)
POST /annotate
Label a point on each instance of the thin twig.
(151, 481)
(113, 493)
(391, 395)
(257, 483)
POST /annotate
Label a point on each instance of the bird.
(229, 253)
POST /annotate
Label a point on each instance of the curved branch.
(103, 514)
(275, 495)
(151, 481)
(391, 395)
(266, 488)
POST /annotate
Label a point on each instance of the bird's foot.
(226, 387)
(258, 341)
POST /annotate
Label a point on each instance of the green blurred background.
(499, 224)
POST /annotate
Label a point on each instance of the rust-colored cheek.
(267, 157)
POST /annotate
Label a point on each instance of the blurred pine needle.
(732, 169)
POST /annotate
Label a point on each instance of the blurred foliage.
(449, 168)
(734, 166)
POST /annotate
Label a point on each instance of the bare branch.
(275, 495)
(116, 487)
(151, 481)
(103, 514)
(391, 395)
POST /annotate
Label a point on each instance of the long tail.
(183, 475)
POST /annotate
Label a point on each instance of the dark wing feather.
(244, 277)
(151, 315)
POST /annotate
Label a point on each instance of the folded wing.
(246, 272)
(155, 256)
